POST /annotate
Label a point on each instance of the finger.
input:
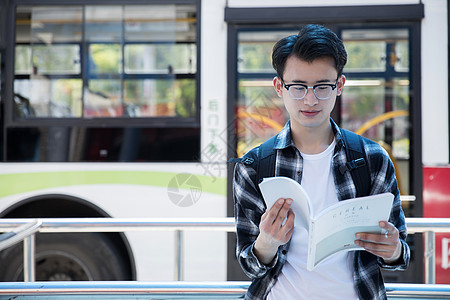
(272, 213)
(287, 229)
(376, 238)
(283, 212)
(369, 245)
(385, 254)
(382, 254)
(389, 234)
(264, 216)
(275, 216)
(290, 220)
(389, 228)
(383, 250)
(289, 235)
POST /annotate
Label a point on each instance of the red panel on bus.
(436, 204)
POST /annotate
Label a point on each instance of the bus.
(131, 108)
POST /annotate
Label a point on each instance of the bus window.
(128, 72)
(48, 61)
(376, 99)
(260, 112)
(114, 61)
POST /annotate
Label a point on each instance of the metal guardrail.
(178, 290)
(126, 290)
(417, 291)
(428, 226)
(48, 225)
(23, 233)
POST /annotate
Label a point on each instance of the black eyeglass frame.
(332, 85)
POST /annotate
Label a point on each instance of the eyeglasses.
(298, 91)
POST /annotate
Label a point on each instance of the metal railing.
(429, 227)
(51, 225)
(178, 290)
(24, 229)
(132, 289)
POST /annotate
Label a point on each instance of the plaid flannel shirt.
(249, 207)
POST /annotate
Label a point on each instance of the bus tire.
(67, 257)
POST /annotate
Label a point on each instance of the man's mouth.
(310, 113)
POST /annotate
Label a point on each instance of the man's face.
(310, 111)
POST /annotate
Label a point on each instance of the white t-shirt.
(333, 278)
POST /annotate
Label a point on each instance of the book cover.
(333, 229)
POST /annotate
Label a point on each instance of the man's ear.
(278, 86)
(340, 85)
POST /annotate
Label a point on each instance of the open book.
(333, 229)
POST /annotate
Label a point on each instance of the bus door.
(377, 100)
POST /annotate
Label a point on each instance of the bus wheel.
(67, 257)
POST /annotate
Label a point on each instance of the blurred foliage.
(255, 57)
(185, 93)
(367, 55)
(105, 58)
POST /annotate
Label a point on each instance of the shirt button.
(283, 252)
(299, 173)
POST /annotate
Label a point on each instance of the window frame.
(334, 17)
(150, 122)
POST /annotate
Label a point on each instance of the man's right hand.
(273, 232)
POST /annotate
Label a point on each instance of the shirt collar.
(284, 139)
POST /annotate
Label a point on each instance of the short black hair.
(312, 42)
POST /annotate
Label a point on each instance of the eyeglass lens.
(321, 91)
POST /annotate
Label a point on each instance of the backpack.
(264, 162)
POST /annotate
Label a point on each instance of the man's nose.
(310, 98)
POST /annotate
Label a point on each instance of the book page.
(274, 188)
(334, 228)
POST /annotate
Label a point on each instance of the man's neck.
(312, 140)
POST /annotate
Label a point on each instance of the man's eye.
(298, 87)
(322, 87)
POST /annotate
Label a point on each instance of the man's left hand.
(385, 245)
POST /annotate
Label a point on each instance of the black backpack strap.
(356, 162)
(261, 158)
(266, 167)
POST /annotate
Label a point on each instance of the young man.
(311, 151)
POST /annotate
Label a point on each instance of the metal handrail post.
(179, 255)
(429, 257)
(29, 263)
